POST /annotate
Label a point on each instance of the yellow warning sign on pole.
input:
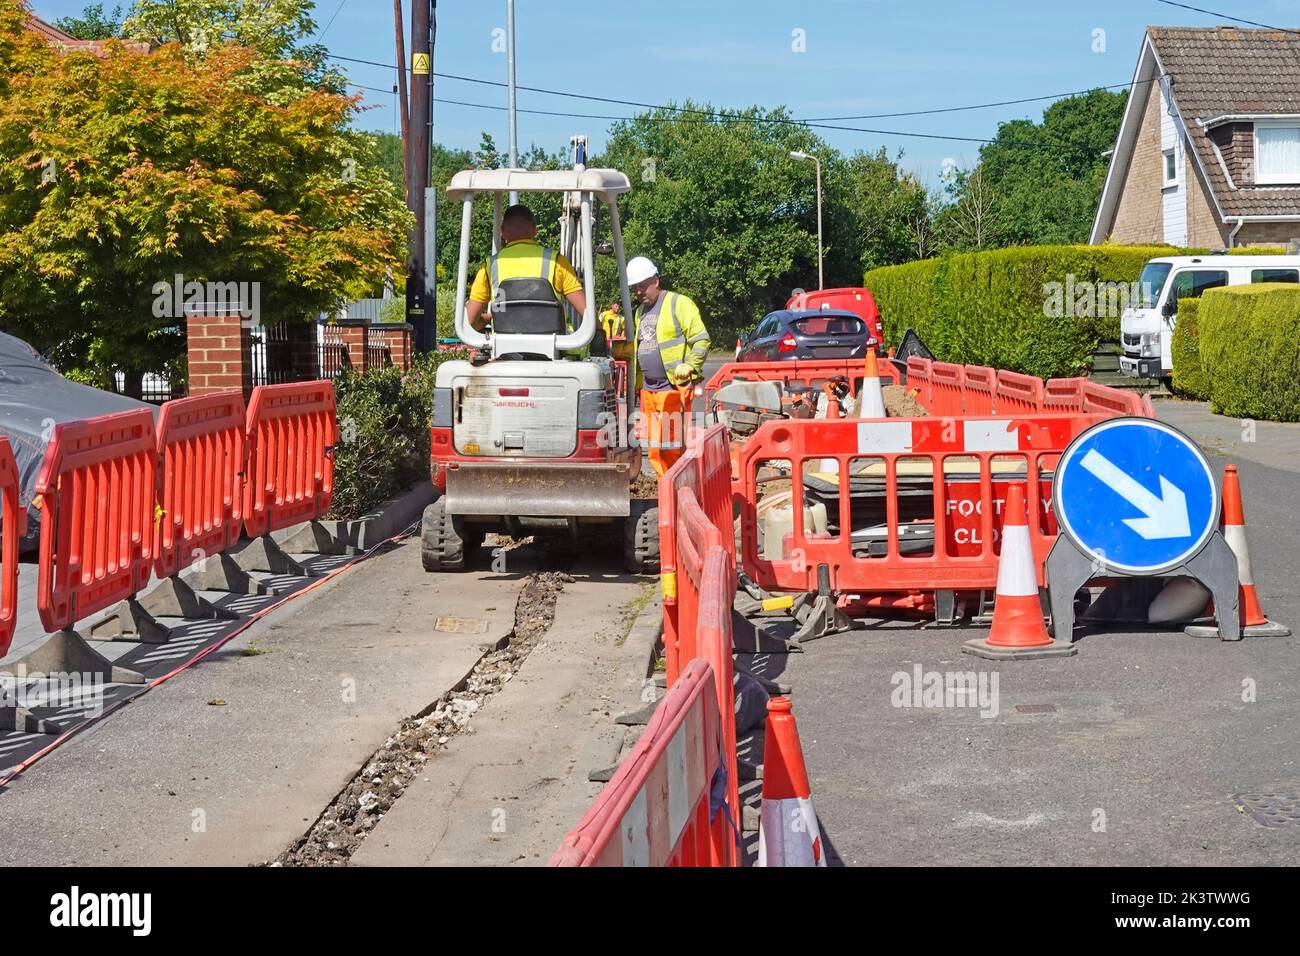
(420, 64)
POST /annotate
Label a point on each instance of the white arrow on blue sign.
(1136, 493)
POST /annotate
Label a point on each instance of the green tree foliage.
(119, 172)
(93, 24)
(731, 219)
(445, 163)
(272, 27)
(1038, 183)
(885, 205)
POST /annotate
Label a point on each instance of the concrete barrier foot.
(173, 597)
(220, 573)
(312, 537)
(263, 554)
(23, 721)
(129, 621)
(820, 619)
(66, 652)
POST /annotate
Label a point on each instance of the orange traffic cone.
(737, 348)
(788, 831)
(1018, 630)
(871, 400)
(1254, 623)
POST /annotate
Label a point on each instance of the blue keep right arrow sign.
(1136, 493)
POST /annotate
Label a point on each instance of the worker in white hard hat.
(671, 345)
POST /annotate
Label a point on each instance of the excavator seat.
(527, 306)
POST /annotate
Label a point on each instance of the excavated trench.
(359, 806)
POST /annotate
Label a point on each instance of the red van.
(857, 301)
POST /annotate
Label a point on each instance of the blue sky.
(860, 56)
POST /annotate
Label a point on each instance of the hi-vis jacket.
(525, 258)
(680, 333)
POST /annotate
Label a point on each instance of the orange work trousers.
(666, 415)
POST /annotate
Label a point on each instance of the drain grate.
(1035, 708)
(1271, 808)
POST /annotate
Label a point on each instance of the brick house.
(1208, 153)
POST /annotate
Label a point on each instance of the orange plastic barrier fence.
(1104, 400)
(97, 488)
(915, 504)
(947, 387)
(291, 433)
(14, 527)
(706, 470)
(1063, 395)
(656, 811)
(1018, 394)
(706, 590)
(714, 488)
(918, 378)
(803, 373)
(200, 478)
(981, 385)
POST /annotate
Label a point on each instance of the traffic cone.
(1018, 630)
(1254, 623)
(871, 401)
(788, 831)
(737, 348)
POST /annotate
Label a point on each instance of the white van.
(1147, 323)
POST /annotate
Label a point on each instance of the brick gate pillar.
(218, 349)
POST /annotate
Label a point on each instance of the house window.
(1277, 153)
(1171, 167)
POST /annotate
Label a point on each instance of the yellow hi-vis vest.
(680, 333)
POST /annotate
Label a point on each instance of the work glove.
(682, 374)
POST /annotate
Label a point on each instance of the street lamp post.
(513, 117)
(797, 154)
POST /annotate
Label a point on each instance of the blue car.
(807, 334)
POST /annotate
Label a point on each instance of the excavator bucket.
(560, 489)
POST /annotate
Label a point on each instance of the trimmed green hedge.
(1250, 350)
(383, 444)
(1031, 309)
(1189, 378)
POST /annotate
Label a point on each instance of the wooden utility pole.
(421, 309)
(403, 108)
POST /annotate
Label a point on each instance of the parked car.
(807, 334)
(856, 300)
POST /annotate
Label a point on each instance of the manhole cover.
(461, 625)
(1035, 708)
(1271, 808)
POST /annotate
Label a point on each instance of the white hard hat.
(640, 269)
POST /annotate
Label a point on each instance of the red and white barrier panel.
(656, 810)
(13, 525)
(933, 435)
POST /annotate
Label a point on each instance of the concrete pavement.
(1276, 444)
(230, 761)
(509, 792)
